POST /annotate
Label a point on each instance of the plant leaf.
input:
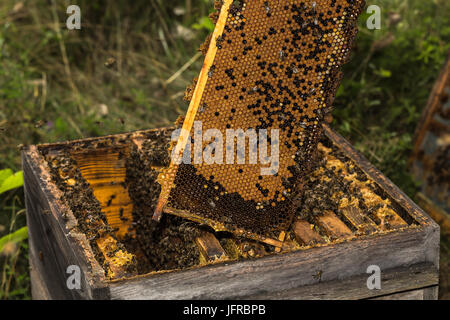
(204, 23)
(15, 237)
(13, 181)
(5, 173)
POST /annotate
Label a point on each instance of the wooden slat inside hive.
(362, 223)
(210, 248)
(270, 65)
(334, 227)
(305, 233)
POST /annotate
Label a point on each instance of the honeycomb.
(270, 65)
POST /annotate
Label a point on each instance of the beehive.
(75, 219)
(272, 67)
(430, 159)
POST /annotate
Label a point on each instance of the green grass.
(112, 76)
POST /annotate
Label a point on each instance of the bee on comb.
(269, 78)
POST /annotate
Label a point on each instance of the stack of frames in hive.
(269, 65)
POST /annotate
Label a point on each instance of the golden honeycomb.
(270, 65)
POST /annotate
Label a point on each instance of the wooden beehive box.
(431, 153)
(326, 256)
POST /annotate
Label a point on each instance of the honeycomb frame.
(270, 65)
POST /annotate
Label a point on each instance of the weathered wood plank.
(54, 255)
(53, 240)
(429, 293)
(39, 290)
(409, 295)
(353, 288)
(289, 271)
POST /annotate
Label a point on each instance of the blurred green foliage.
(10, 180)
(111, 76)
(14, 282)
(388, 80)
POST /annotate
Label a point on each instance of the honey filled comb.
(271, 72)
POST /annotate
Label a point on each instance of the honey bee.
(253, 90)
(39, 124)
(267, 7)
(211, 203)
(313, 7)
(203, 107)
(318, 275)
(211, 71)
(219, 41)
(110, 62)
